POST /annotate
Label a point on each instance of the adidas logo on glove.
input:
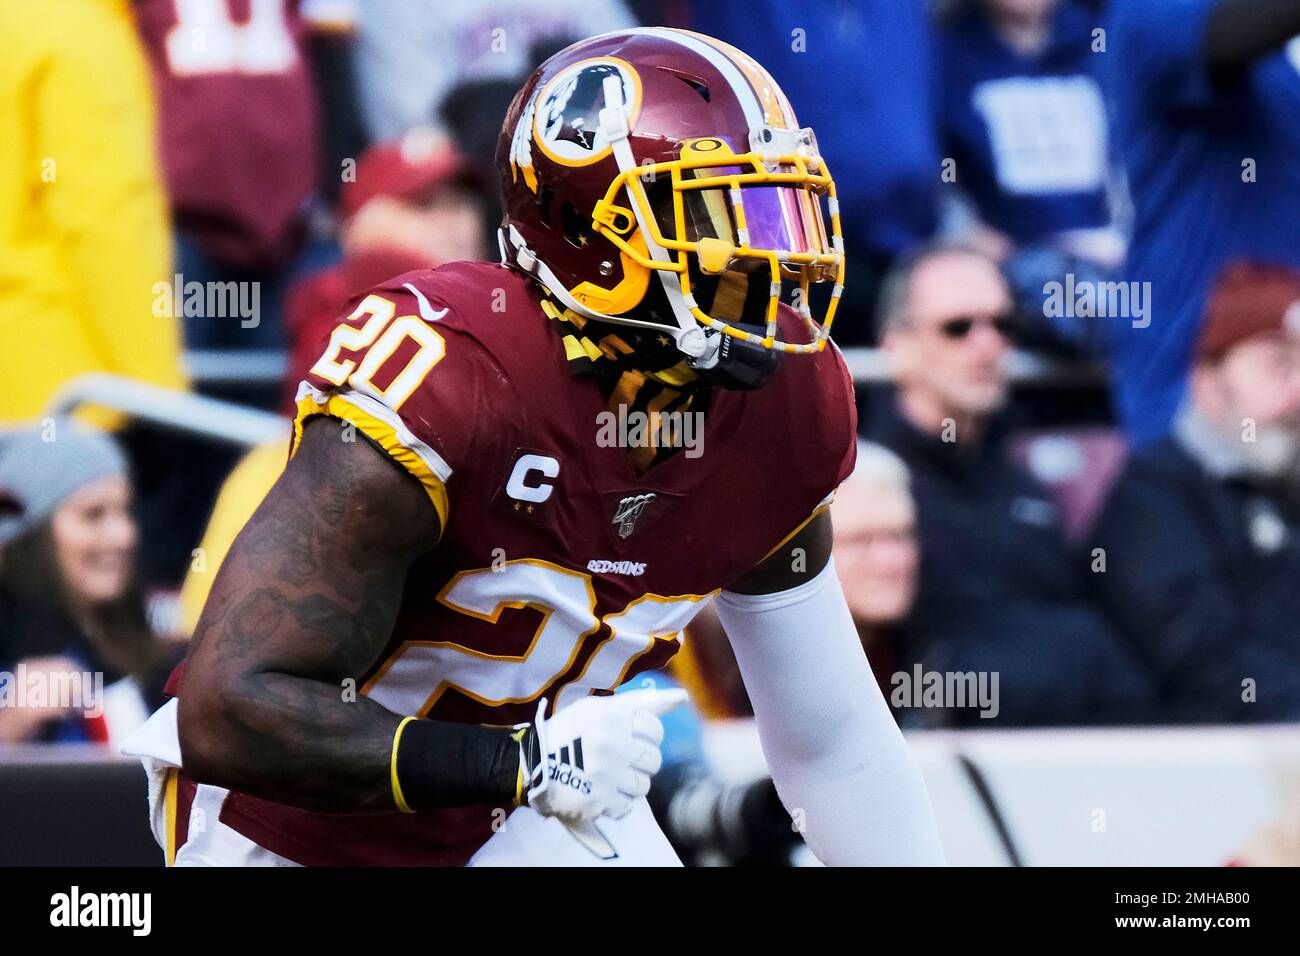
(565, 771)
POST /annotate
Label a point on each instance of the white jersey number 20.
(419, 671)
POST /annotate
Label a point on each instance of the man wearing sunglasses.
(1000, 591)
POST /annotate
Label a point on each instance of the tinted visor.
(784, 218)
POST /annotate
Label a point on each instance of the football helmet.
(657, 155)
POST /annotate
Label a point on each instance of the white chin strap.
(689, 335)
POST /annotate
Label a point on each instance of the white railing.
(179, 411)
(231, 367)
(871, 367)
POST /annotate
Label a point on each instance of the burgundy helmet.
(664, 156)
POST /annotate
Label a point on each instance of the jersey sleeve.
(840, 433)
(847, 432)
(830, 445)
(402, 367)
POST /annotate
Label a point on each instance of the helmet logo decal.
(565, 115)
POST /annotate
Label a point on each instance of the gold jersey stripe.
(802, 524)
(383, 434)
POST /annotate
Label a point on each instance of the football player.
(409, 653)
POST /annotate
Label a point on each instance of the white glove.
(596, 757)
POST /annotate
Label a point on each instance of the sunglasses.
(960, 327)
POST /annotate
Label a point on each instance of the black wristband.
(443, 764)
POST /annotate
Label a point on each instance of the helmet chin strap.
(692, 340)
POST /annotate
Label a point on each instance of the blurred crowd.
(1072, 236)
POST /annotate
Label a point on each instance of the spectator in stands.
(1201, 534)
(875, 551)
(1206, 100)
(1024, 124)
(1000, 591)
(411, 54)
(861, 75)
(1023, 118)
(258, 122)
(68, 601)
(83, 223)
(876, 559)
(414, 204)
(242, 124)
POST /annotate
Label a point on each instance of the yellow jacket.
(84, 234)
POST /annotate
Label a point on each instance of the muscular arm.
(838, 760)
(305, 600)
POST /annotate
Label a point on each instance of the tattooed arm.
(306, 599)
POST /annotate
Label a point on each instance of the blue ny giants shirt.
(1214, 175)
(1028, 133)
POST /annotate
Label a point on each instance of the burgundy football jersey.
(237, 122)
(560, 571)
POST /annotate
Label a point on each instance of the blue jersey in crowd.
(1214, 174)
(1028, 133)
